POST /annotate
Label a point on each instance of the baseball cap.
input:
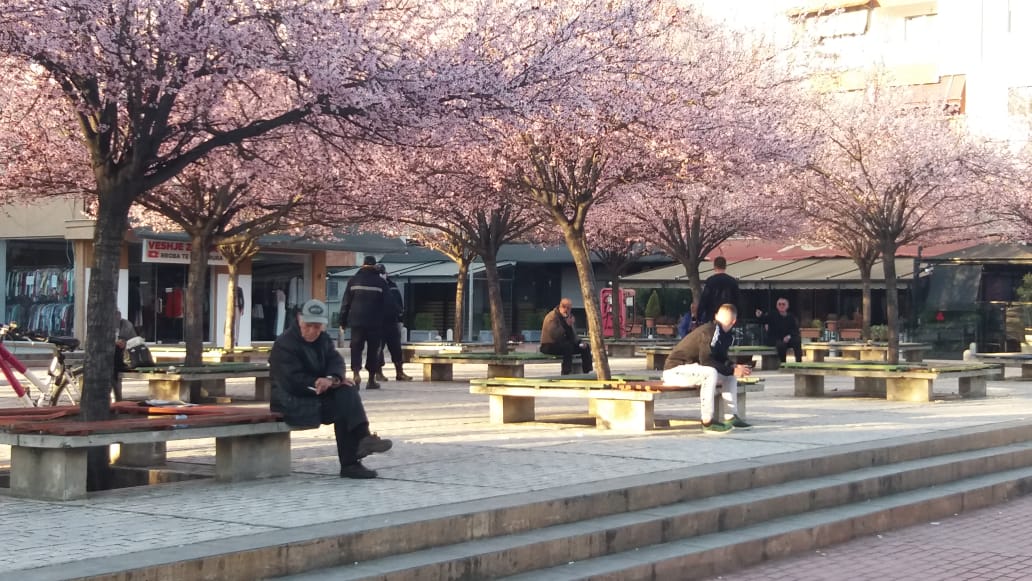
(314, 311)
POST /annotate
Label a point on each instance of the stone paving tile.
(446, 452)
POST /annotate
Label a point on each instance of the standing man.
(721, 288)
(364, 300)
(782, 330)
(125, 332)
(701, 359)
(309, 389)
(559, 338)
(393, 315)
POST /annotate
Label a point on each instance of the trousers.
(707, 378)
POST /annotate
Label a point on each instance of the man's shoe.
(372, 444)
(356, 470)
(402, 377)
(357, 378)
(381, 377)
(716, 428)
(372, 384)
(737, 422)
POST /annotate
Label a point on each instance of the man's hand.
(323, 384)
(759, 312)
(743, 370)
(786, 339)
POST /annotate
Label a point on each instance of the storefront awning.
(443, 271)
(805, 273)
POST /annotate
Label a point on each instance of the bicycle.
(63, 381)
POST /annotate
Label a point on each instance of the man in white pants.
(701, 358)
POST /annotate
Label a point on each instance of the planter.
(810, 333)
(665, 330)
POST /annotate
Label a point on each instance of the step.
(721, 553)
(735, 511)
(382, 536)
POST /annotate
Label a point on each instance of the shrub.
(423, 321)
(653, 308)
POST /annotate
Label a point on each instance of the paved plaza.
(445, 451)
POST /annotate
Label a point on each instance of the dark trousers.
(795, 344)
(342, 407)
(392, 342)
(567, 350)
(369, 338)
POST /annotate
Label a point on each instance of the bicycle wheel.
(66, 384)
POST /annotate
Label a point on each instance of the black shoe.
(357, 378)
(372, 384)
(356, 470)
(402, 377)
(738, 422)
(372, 444)
(380, 376)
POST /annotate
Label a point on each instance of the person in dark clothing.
(720, 288)
(309, 389)
(363, 312)
(559, 338)
(701, 358)
(125, 332)
(393, 315)
(782, 330)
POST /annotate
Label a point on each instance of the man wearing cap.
(309, 388)
(364, 300)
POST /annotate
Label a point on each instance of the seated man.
(309, 388)
(782, 331)
(701, 359)
(559, 338)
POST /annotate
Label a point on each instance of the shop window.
(40, 285)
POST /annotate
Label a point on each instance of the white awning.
(759, 273)
(443, 271)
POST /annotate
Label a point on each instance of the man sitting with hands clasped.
(559, 338)
(701, 358)
(309, 388)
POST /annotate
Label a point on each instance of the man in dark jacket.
(393, 315)
(701, 359)
(364, 299)
(309, 389)
(783, 330)
(720, 288)
(559, 338)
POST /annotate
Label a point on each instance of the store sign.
(175, 252)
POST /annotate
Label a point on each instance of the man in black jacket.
(309, 389)
(701, 358)
(720, 288)
(783, 331)
(559, 338)
(393, 314)
(364, 299)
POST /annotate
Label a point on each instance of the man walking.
(364, 299)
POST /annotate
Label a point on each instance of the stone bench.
(1023, 360)
(409, 351)
(189, 384)
(655, 357)
(512, 400)
(440, 367)
(895, 382)
(817, 351)
(630, 347)
(48, 459)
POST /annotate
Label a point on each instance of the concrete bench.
(189, 384)
(440, 367)
(411, 350)
(630, 347)
(1024, 360)
(49, 464)
(176, 354)
(655, 357)
(817, 351)
(613, 403)
(895, 382)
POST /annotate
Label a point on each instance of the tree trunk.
(112, 222)
(193, 301)
(462, 278)
(577, 244)
(891, 299)
(865, 300)
(494, 297)
(229, 337)
(616, 314)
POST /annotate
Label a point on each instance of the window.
(919, 30)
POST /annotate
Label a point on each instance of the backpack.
(138, 354)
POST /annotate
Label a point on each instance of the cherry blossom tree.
(112, 98)
(890, 172)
